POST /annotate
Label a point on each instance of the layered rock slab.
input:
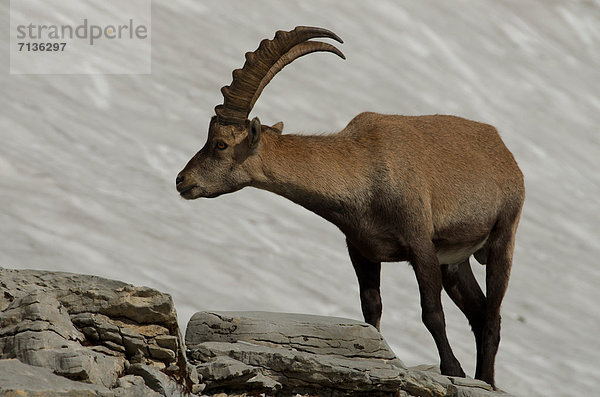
(284, 354)
(302, 332)
(65, 334)
(19, 379)
(89, 329)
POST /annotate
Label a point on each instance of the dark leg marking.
(501, 246)
(462, 287)
(368, 274)
(429, 278)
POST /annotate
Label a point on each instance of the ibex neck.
(317, 172)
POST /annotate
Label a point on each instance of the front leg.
(368, 274)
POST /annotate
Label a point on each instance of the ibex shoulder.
(440, 127)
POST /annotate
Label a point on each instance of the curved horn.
(262, 64)
(296, 52)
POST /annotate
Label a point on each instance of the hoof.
(487, 379)
(452, 370)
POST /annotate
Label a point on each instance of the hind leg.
(501, 246)
(462, 287)
(429, 278)
(368, 274)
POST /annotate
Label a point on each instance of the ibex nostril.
(180, 178)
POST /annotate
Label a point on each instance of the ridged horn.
(263, 64)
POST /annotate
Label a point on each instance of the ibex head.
(231, 154)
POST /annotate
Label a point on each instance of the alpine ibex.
(431, 190)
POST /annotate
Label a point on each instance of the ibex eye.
(221, 145)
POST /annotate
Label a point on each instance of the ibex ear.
(254, 132)
(278, 127)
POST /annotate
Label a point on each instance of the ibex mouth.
(188, 192)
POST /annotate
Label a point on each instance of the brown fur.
(431, 190)
(420, 189)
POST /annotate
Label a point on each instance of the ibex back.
(431, 190)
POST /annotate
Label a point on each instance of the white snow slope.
(88, 164)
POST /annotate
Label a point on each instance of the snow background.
(88, 164)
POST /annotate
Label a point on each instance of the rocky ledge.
(65, 334)
(289, 354)
(72, 334)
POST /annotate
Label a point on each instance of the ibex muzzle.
(431, 190)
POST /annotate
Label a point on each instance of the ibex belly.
(379, 243)
(452, 255)
(380, 248)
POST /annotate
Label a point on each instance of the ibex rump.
(431, 190)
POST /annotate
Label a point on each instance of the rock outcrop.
(90, 330)
(285, 354)
(64, 334)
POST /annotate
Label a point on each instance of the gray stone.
(37, 312)
(261, 382)
(129, 332)
(284, 354)
(114, 346)
(93, 330)
(462, 391)
(198, 388)
(80, 293)
(49, 347)
(295, 369)
(87, 328)
(91, 333)
(307, 333)
(460, 387)
(135, 345)
(104, 325)
(160, 353)
(83, 319)
(294, 352)
(469, 382)
(194, 376)
(105, 350)
(110, 336)
(133, 386)
(130, 380)
(157, 380)
(167, 341)
(226, 370)
(19, 379)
